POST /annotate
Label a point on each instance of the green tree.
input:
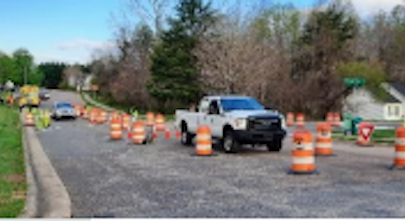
(36, 77)
(7, 68)
(326, 41)
(52, 74)
(24, 66)
(174, 67)
(373, 73)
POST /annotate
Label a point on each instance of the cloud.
(72, 51)
(85, 44)
(366, 8)
(57, 56)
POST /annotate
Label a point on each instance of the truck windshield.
(240, 104)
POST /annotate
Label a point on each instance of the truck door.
(203, 113)
(214, 119)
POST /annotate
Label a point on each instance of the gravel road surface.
(117, 179)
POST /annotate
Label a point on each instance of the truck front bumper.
(258, 137)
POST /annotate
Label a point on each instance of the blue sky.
(70, 30)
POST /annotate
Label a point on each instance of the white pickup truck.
(235, 120)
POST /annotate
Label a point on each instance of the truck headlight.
(283, 122)
(241, 124)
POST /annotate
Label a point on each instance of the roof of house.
(388, 98)
(400, 87)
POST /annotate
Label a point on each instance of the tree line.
(288, 58)
(21, 69)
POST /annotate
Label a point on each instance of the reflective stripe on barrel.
(204, 141)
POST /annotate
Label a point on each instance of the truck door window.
(214, 108)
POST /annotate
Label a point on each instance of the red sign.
(365, 133)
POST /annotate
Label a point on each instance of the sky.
(71, 30)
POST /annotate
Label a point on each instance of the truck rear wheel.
(186, 137)
(229, 143)
(275, 146)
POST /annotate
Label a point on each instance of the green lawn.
(12, 168)
(379, 136)
(109, 103)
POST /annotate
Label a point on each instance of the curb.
(47, 196)
(88, 99)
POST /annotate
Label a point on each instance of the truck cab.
(235, 120)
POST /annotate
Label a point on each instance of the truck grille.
(264, 124)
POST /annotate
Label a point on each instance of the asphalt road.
(116, 179)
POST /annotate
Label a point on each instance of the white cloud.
(85, 44)
(73, 51)
(55, 56)
(366, 8)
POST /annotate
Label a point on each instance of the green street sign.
(355, 82)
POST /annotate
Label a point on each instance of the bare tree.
(152, 12)
(235, 61)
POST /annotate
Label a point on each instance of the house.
(72, 76)
(85, 83)
(363, 103)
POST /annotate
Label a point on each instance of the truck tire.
(186, 137)
(275, 146)
(229, 144)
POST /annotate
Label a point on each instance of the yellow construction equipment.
(29, 96)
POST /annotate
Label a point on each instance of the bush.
(372, 72)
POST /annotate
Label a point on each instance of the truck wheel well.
(183, 125)
(227, 128)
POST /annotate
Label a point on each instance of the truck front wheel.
(186, 137)
(275, 146)
(229, 143)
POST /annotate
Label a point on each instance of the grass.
(379, 136)
(112, 104)
(12, 167)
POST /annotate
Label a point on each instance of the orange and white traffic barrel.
(303, 155)
(126, 122)
(115, 129)
(115, 115)
(204, 142)
(160, 123)
(300, 120)
(178, 135)
(99, 118)
(29, 119)
(290, 119)
(103, 117)
(168, 134)
(150, 119)
(399, 161)
(138, 133)
(86, 113)
(323, 146)
(92, 116)
(78, 110)
(337, 120)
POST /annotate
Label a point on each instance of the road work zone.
(107, 178)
